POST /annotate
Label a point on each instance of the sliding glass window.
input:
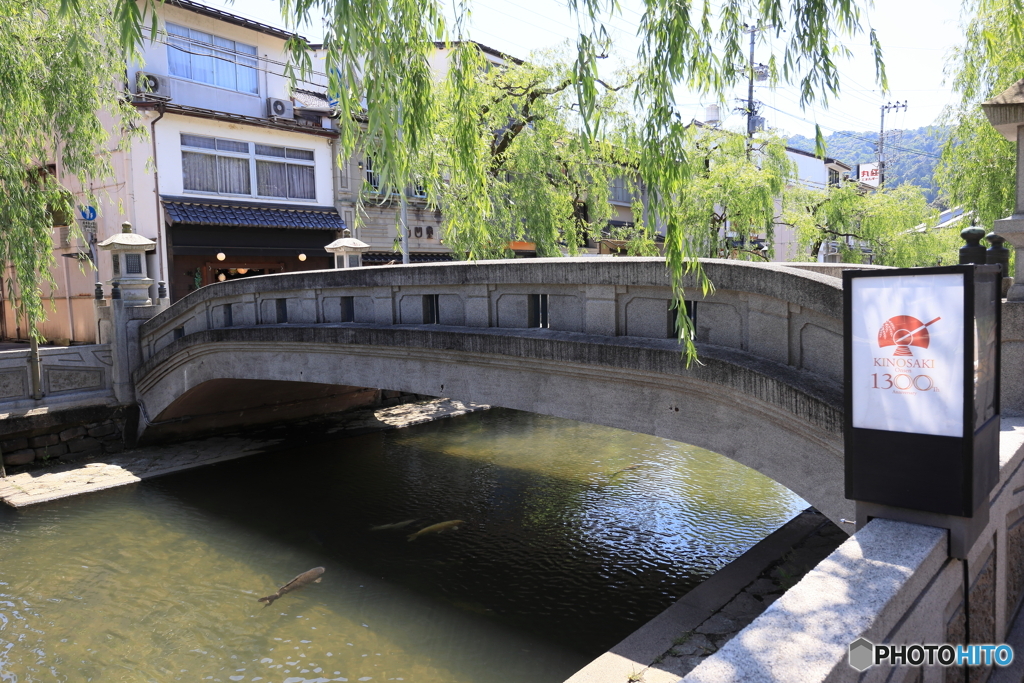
(230, 167)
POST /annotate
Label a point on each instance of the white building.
(816, 173)
(236, 178)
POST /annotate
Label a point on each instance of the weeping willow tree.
(61, 67)
(542, 181)
(896, 224)
(977, 166)
(378, 52)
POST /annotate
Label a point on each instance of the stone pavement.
(107, 471)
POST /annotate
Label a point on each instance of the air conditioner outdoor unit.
(152, 85)
(280, 109)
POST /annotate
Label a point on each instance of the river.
(574, 535)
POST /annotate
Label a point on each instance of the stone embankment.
(96, 469)
(40, 437)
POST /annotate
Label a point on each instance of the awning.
(230, 213)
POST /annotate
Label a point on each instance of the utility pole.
(750, 85)
(403, 215)
(881, 138)
(751, 109)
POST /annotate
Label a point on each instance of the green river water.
(564, 551)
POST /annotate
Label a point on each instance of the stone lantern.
(128, 254)
(348, 251)
(1006, 113)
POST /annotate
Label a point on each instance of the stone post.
(974, 251)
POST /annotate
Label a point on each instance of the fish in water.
(303, 579)
(393, 527)
(626, 469)
(438, 528)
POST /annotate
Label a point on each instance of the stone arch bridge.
(589, 339)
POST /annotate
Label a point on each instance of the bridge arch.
(586, 339)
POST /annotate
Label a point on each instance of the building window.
(620, 191)
(372, 178)
(211, 59)
(219, 166)
(833, 177)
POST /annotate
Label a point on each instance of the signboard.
(922, 387)
(868, 174)
(908, 354)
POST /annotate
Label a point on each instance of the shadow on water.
(574, 536)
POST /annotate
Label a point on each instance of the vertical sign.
(921, 361)
(908, 355)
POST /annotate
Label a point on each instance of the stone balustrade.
(72, 373)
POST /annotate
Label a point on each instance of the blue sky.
(916, 36)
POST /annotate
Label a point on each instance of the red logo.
(904, 331)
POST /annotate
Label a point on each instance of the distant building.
(816, 173)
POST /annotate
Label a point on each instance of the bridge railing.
(775, 312)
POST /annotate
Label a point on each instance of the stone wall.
(63, 435)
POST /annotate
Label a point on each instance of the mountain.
(911, 154)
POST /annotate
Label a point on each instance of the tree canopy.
(56, 80)
(894, 222)
(977, 166)
(377, 54)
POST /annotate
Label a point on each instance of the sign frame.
(944, 475)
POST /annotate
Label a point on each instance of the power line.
(851, 135)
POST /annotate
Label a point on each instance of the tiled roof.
(199, 8)
(381, 257)
(308, 98)
(197, 211)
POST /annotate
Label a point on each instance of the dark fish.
(303, 579)
(626, 469)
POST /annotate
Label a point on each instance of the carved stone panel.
(410, 309)
(513, 310)
(301, 310)
(13, 383)
(243, 313)
(363, 309)
(956, 633)
(331, 309)
(1014, 560)
(821, 351)
(648, 318)
(983, 610)
(768, 335)
(451, 310)
(719, 324)
(67, 379)
(104, 356)
(565, 313)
